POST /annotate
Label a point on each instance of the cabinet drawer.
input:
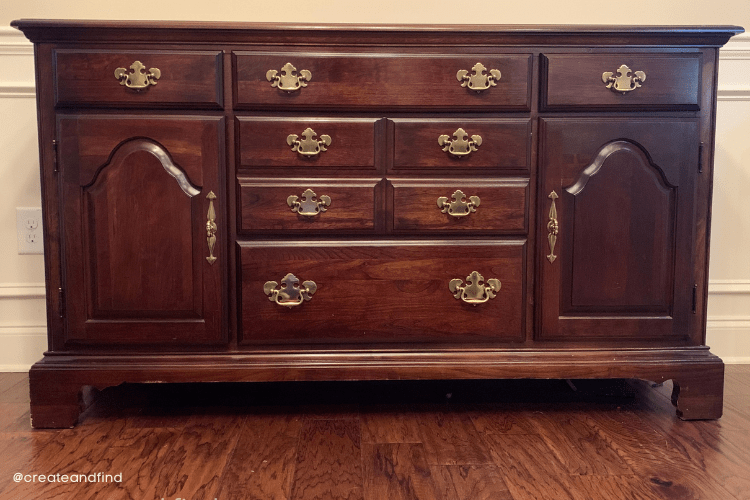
(659, 81)
(91, 77)
(460, 205)
(307, 143)
(303, 205)
(419, 81)
(387, 291)
(440, 143)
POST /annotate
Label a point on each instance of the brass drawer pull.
(211, 228)
(137, 78)
(552, 227)
(309, 206)
(308, 146)
(290, 294)
(475, 291)
(288, 80)
(623, 82)
(478, 81)
(458, 207)
(460, 146)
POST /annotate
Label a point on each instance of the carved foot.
(699, 394)
(55, 402)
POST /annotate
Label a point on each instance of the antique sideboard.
(252, 202)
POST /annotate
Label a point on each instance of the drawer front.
(639, 81)
(167, 78)
(382, 292)
(306, 143)
(440, 143)
(460, 205)
(325, 81)
(309, 206)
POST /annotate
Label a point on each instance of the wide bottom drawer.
(394, 291)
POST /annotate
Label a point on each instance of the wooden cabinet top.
(368, 34)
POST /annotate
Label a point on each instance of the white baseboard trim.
(736, 360)
(728, 286)
(14, 368)
(22, 290)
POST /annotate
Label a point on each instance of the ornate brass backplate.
(211, 228)
(288, 80)
(137, 78)
(475, 291)
(458, 207)
(308, 145)
(309, 206)
(460, 146)
(552, 227)
(623, 82)
(290, 294)
(478, 80)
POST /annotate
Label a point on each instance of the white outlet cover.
(29, 231)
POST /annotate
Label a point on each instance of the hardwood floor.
(470, 440)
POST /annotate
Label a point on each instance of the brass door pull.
(290, 294)
(459, 145)
(552, 227)
(308, 145)
(211, 228)
(478, 80)
(309, 206)
(623, 82)
(458, 207)
(137, 78)
(475, 291)
(288, 80)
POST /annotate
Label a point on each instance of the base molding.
(56, 382)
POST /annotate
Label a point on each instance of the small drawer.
(167, 78)
(386, 291)
(457, 145)
(498, 206)
(307, 143)
(381, 80)
(308, 206)
(637, 81)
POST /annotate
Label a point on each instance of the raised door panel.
(139, 264)
(617, 255)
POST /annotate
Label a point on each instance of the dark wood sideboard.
(252, 202)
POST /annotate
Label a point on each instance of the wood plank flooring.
(467, 440)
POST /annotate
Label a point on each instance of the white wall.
(22, 318)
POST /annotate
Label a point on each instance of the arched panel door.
(138, 260)
(616, 246)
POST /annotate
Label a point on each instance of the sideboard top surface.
(39, 30)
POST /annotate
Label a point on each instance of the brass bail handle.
(291, 293)
(476, 290)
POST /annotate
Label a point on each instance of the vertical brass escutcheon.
(478, 80)
(309, 206)
(623, 82)
(308, 145)
(137, 78)
(211, 228)
(290, 294)
(552, 227)
(460, 146)
(288, 80)
(475, 291)
(458, 207)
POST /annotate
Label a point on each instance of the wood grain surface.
(446, 440)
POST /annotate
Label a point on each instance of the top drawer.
(637, 81)
(395, 81)
(166, 78)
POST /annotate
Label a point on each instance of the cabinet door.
(620, 195)
(139, 263)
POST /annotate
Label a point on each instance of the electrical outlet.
(29, 229)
